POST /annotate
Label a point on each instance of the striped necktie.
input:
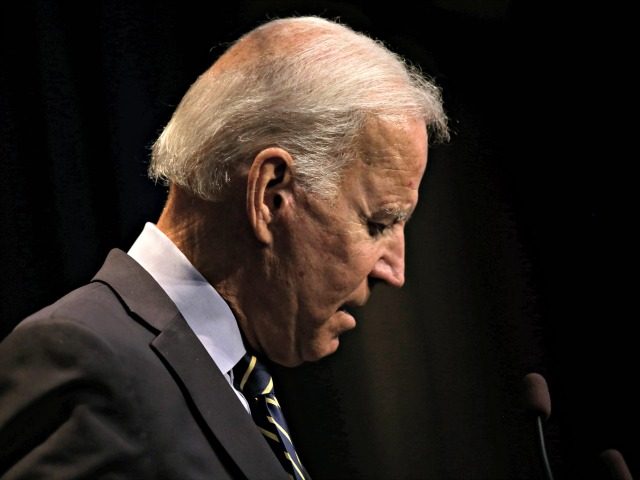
(253, 380)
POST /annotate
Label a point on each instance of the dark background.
(521, 256)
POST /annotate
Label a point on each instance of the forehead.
(398, 148)
(392, 157)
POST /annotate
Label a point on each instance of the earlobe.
(268, 186)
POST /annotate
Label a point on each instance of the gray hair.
(304, 84)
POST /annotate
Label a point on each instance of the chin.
(314, 344)
(310, 351)
(289, 362)
(326, 340)
(321, 349)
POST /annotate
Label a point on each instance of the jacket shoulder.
(65, 379)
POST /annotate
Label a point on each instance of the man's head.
(320, 135)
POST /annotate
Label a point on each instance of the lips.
(345, 321)
(351, 307)
(349, 311)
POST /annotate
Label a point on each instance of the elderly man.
(293, 163)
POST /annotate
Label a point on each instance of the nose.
(390, 266)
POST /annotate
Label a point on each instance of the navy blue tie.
(255, 382)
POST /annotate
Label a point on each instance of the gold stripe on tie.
(272, 401)
(279, 427)
(268, 388)
(286, 454)
(270, 435)
(245, 377)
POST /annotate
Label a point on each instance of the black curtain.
(521, 256)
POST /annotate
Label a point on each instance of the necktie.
(253, 380)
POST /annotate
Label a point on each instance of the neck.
(216, 238)
(212, 235)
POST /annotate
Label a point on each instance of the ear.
(269, 190)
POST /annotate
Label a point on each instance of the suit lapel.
(181, 350)
(211, 394)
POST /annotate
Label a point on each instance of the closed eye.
(376, 229)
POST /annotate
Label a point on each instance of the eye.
(376, 229)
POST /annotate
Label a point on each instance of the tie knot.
(251, 377)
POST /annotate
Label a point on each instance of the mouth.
(352, 307)
(350, 313)
(347, 309)
(347, 320)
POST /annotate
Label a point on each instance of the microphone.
(615, 465)
(538, 402)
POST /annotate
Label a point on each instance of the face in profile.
(332, 251)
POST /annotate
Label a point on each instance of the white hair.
(306, 85)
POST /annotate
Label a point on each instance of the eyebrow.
(398, 214)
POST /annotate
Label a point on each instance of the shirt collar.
(205, 311)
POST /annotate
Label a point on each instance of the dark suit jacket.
(110, 382)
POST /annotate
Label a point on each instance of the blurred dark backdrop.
(521, 256)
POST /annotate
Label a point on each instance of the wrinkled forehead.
(396, 144)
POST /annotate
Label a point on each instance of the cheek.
(332, 264)
(347, 277)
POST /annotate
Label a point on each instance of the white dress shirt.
(207, 314)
